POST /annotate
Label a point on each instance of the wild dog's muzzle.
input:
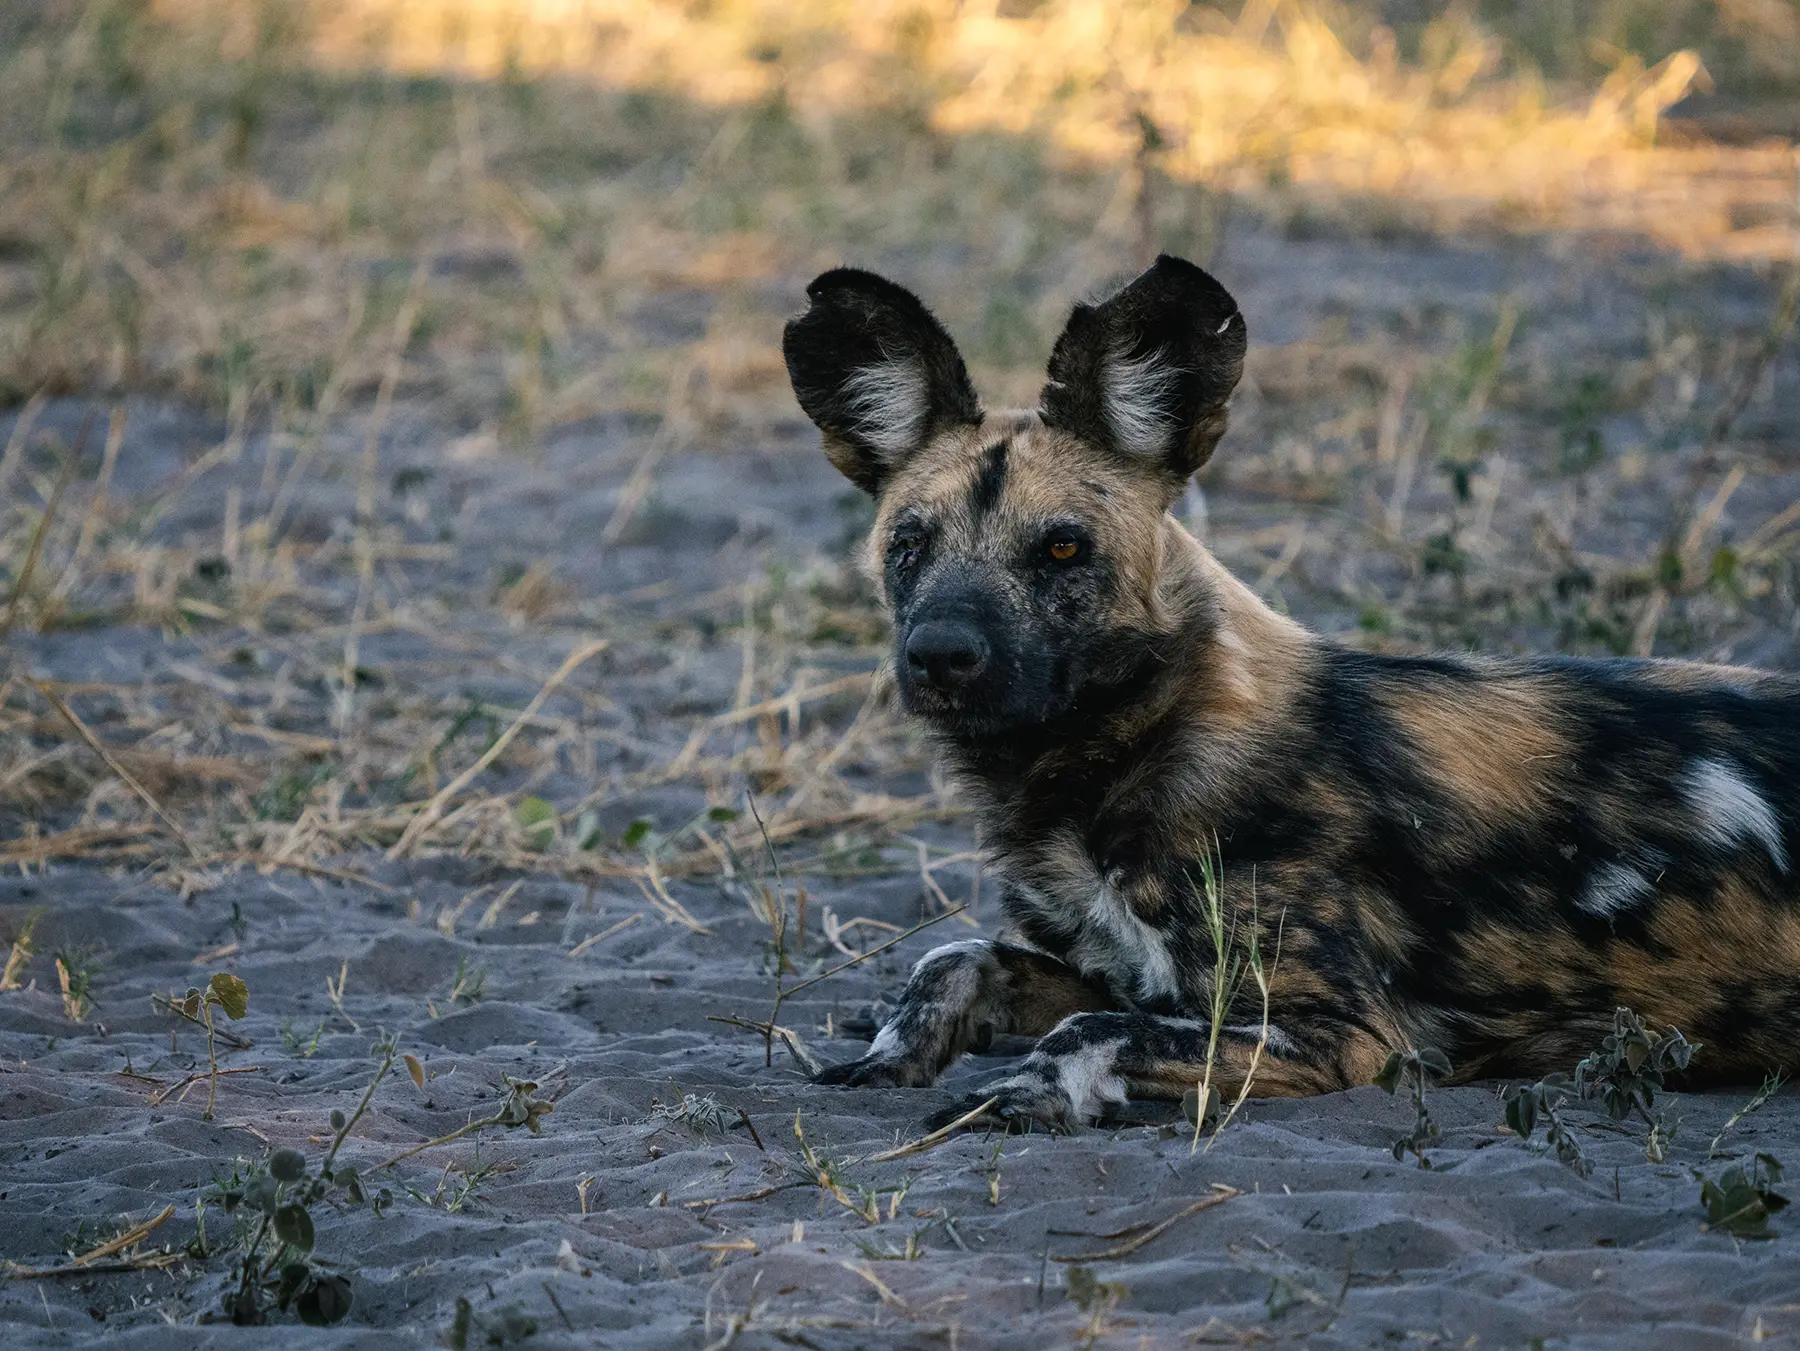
(945, 655)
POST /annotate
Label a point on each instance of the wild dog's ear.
(876, 372)
(1146, 373)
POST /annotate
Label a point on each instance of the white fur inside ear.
(1133, 393)
(889, 402)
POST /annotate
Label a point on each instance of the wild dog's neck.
(1219, 666)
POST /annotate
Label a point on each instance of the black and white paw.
(1019, 1105)
(875, 1071)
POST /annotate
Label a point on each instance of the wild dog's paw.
(876, 1072)
(1020, 1106)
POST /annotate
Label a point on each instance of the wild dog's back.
(1559, 837)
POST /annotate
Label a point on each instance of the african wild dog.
(1479, 854)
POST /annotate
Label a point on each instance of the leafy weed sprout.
(274, 1202)
(1415, 1068)
(224, 991)
(1623, 1074)
(1742, 1199)
(1544, 1100)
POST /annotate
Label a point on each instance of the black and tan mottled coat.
(1479, 854)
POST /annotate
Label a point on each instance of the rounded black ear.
(876, 372)
(1147, 372)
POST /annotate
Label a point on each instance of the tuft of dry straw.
(125, 776)
(1220, 1194)
(428, 817)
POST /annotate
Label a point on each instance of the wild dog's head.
(1020, 553)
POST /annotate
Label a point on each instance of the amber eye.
(1062, 550)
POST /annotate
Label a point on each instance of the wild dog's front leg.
(1093, 1059)
(959, 997)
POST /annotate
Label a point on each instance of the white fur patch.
(887, 1044)
(1125, 952)
(1731, 810)
(1088, 1078)
(889, 401)
(947, 951)
(1132, 394)
(1613, 887)
(958, 990)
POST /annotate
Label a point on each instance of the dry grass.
(316, 218)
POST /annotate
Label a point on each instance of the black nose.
(945, 654)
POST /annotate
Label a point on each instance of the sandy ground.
(619, 1226)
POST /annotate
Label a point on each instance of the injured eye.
(908, 544)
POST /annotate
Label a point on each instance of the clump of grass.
(1236, 956)
(21, 951)
(882, 1252)
(830, 1174)
(75, 972)
(459, 1184)
(1416, 1068)
(302, 1045)
(1771, 1085)
(468, 984)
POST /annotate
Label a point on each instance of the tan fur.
(1496, 752)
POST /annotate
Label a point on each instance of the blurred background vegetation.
(226, 197)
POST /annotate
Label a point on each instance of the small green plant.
(1627, 1071)
(468, 984)
(519, 1108)
(457, 1185)
(1741, 1200)
(224, 991)
(1544, 1100)
(274, 1202)
(1583, 444)
(289, 790)
(830, 1175)
(20, 952)
(537, 819)
(301, 1044)
(881, 1252)
(1095, 1298)
(1415, 1068)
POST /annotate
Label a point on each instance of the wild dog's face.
(1019, 553)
